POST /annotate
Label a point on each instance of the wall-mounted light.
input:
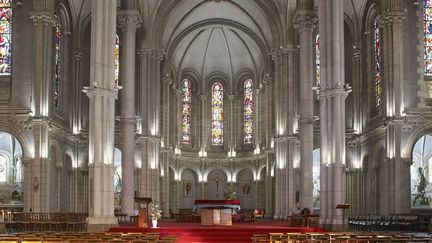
(202, 153)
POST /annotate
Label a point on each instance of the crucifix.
(217, 178)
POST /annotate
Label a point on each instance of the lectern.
(143, 210)
(343, 206)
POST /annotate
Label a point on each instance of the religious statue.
(421, 189)
(217, 178)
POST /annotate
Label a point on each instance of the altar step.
(238, 232)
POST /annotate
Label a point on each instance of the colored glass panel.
(377, 63)
(427, 18)
(5, 37)
(317, 61)
(217, 113)
(5, 3)
(57, 67)
(248, 112)
(186, 125)
(117, 61)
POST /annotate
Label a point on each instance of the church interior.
(308, 113)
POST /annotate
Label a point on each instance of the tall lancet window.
(217, 113)
(5, 37)
(317, 61)
(377, 63)
(117, 61)
(427, 18)
(186, 111)
(57, 66)
(248, 112)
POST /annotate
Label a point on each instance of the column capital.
(333, 92)
(158, 54)
(42, 17)
(267, 80)
(356, 53)
(77, 54)
(281, 52)
(231, 97)
(97, 91)
(166, 80)
(305, 21)
(204, 97)
(392, 17)
(129, 19)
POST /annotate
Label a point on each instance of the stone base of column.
(98, 224)
(333, 225)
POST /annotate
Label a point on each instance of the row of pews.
(346, 237)
(24, 222)
(395, 222)
(86, 237)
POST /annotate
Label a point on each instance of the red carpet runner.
(238, 232)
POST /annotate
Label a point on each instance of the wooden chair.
(258, 214)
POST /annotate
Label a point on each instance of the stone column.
(305, 21)
(332, 112)
(284, 60)
(357, 91)
(76, 122)
(102, 96)
(393, 45)
(256, 118)
(37, 193)
(128, 21)
(149, 140)
(204, 129)
(231, 141)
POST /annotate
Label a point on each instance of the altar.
(216, 212)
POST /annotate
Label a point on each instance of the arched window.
(427, 18)
(117, 61)
(248, 111)
(57, 65)
(421, 173)
(217, 113)
(317, 61)
(5, 37)
(377, 63)
(186, 112)
(117, 176)
(316, 177)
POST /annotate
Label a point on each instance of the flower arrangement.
(155, 213)
(230, 194)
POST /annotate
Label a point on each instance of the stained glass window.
(427, 18)
(57, 67)
(248, 111)
(117, 61)
(186, 113)
(317, 61)
(377, 63)
(5, 37)
(217, 113)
